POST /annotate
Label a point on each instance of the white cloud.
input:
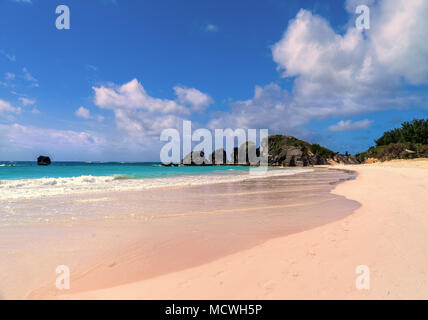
(8, 56)
(351, 5)
(28, 76)
(52, 140)
(7, 84)
(84, 113)
(322, 59)
(399, 38)
(133, 96)
(91, 67)
(142, 116)
(325, 63)
(269, 108)
(23, 1)
(197, 100)
(26, 101)
(342, 74)
(6, 107)
(348, 125)
(9, 76)
(211, 28)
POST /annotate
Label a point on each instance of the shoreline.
(193, 226)
(387, 234)
(28, 189)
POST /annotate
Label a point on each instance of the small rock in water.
(43, 161)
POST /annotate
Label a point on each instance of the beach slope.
(388, 234)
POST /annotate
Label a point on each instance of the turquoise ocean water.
(30, 170)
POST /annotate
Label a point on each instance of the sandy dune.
(389, 234)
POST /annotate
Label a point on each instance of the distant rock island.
(43, 161)
(283, 151)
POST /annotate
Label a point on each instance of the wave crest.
(44, 187)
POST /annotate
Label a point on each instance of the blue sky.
(126, 70)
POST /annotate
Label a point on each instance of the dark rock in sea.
(218, 157)
(43, 161)
(195, 158)
(170, 164)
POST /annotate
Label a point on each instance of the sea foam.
(44, 187)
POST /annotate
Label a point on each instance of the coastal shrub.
(422, 150)
(415, 131)
(276, 142)
(393, 151)
(409, 141)
(321, 151)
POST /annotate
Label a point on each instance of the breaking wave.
(44, 187)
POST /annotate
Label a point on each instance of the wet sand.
(387, 235)
(120, 238)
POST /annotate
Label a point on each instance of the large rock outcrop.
(281, 150)
(218, 157)
(288, 151)
(195, 158)
(247, 154)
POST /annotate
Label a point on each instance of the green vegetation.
(324, 152)
(409, 141)
(276, 142)
(410, 132)
(372, 152)
(291, 141)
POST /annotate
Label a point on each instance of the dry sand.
(388, 233)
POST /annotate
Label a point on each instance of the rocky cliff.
(282, 150)
(290, 152)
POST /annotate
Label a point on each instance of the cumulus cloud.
(143, 116)
(6, 107)
(192, 97)
(322, 59)
(342, 74)
(399, 38)
(270, 106)
(328, 65)
(9, 76)
(133, 96)
(26, 101)
(351, 5)
(349, 125)
(83, 113)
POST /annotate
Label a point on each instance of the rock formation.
(43, 161)
(195, 158)
(291, 152)
(218, 157)
(284, 151)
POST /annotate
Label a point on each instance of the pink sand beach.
(287, 237)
